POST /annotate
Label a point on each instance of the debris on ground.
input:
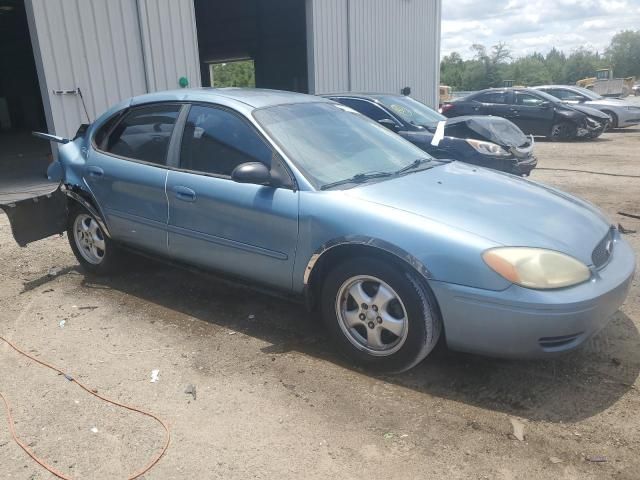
(388, 435)
(596, 458)
(62, 323)
(555, 460)
(54, 271)
(518, 429)
(621, 229)
(90, 307)
(94, 430)
(154, 375)
(191, 390)
(232, 332)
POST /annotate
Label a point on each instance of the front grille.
(603, 250)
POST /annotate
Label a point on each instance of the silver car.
(622, 112)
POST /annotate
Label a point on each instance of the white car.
(622, 112)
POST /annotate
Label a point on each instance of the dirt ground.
(274, 400)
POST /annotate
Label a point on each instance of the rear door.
(127, 171)
(246, 230)
(532, 113)
(492, 103)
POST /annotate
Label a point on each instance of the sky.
(535, 25)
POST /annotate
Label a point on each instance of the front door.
(245, 230)
(534, 115)
(126, 172)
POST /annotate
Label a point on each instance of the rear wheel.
(613, 117)
(562, 131)
(93, 249)
(381, 316)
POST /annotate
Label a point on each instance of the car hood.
(611, 102)
(590, 111)
(505, 209)
(494, 129)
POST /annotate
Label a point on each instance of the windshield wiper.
(412, 166)
(357, 178)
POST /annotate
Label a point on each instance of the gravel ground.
(274, 400)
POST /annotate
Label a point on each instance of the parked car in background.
(636, 89)
(490, 142)
(307, 197)
(622, 113)
(533, 111)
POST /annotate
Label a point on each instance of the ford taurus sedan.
(487, 141)
(307, 197)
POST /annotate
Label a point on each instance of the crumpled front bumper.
(592, 128)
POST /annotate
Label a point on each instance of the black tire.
(614, 119)
(562, 131)
(422, 319)
(104, 263)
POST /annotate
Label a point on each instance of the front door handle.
(95, 171)
(185, 194)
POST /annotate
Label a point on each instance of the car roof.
(252, 97)
(374, 96)
(570, 87)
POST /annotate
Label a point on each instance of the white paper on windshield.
(439, 135)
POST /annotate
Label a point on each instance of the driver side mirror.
(390, 124)
(252, 172)
(545, 104)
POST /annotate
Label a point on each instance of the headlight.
(536, 268)
(593, 123)
(488, 148)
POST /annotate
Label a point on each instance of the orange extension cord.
(52, 470)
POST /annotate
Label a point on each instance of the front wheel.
(93, 249)
(381, 316)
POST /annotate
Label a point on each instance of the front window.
(330, 142)
(590, 94)
(412, 111)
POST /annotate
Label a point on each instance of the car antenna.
(84, 105)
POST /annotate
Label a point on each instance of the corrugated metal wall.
(170, 43)
(375, 46)
(111, 50)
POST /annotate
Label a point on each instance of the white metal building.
(114, 49)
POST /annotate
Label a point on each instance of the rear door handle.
(185, 194)
(95, 171)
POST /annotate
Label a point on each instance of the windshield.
(330, 142)
(588, 93)
(411, 111)
(545, 95)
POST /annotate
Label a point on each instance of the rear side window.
(143, 134)
(216, 141)
(492, 97)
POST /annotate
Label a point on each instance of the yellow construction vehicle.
(606, 85)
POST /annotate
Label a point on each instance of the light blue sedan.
(307, 197)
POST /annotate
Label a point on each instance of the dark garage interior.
(272, 33)
(23, 158)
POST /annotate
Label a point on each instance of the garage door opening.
(23, 158)
(270, 33)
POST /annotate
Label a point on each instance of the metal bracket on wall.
(75, 91)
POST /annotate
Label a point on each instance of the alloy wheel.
(372, 315)
(89, 239)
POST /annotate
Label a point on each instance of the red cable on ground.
(95, 394)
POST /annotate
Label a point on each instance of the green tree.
(233, 74)
(623, 54)
(581, 63)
